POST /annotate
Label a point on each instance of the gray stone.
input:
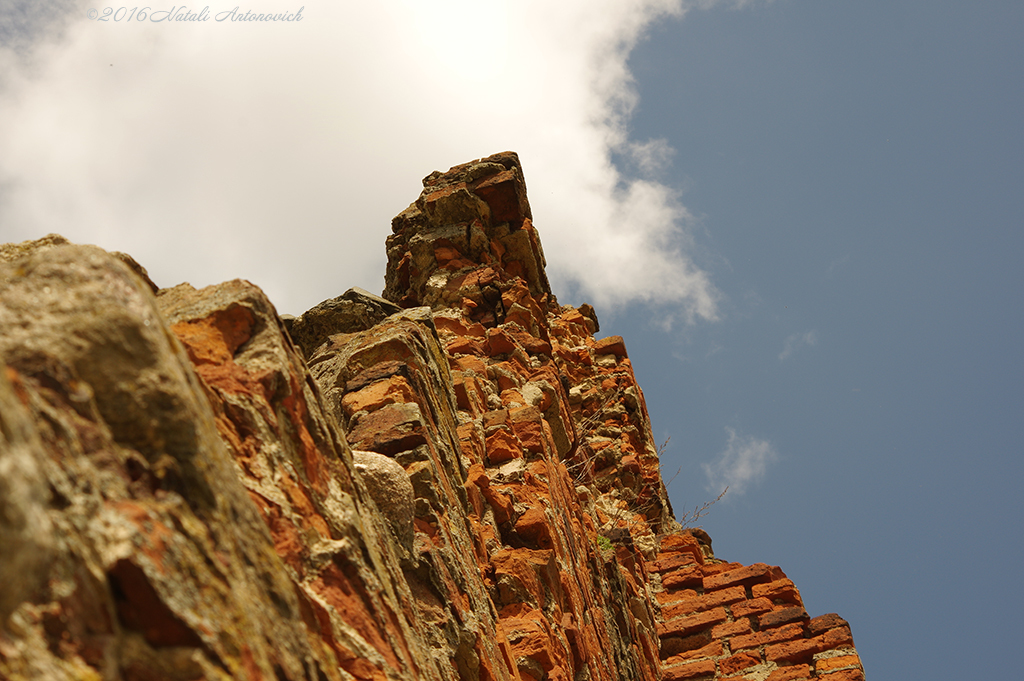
(390, 488)
(25, 528)
(354, 310)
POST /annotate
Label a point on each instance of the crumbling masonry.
(454, 481)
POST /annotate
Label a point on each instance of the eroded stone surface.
(179, 497)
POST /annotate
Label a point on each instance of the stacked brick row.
(729, 621)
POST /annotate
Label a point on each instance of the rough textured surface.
(456, 481)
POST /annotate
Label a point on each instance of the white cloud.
(280, 152)
(743, 462)
(797, 341)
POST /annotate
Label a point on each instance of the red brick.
(499, 343)
(684, 647)
(701, 603)
(779, 590)
(672, 561)
(693, 623)
(726, 629)
(681, 608)
(610, 345)
(825, 622)
(684, 578)
(465, 346)
(719, 568)
(731, 665)
(797, 671)
(689, 670)
(668, 597)
(723, 597)
(844, 675)
(752, 607)
(782, 616)
(713, 649)
(836, 638)
(792, 651)
(674, 543)
(788, 632)
(827, 664)
(753, 574)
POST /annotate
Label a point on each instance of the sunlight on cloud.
(743, 463)
(280, 152)
(797, 341)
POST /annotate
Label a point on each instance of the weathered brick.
(689, 670)
(843, 675)
(669, 597)
(718, 568)
(836, 638)
(792, 651)
(751, 574)
(683, 578)
(682, 607)
(692, 623)
(685, 606)
(713, 649)
(793, 673)
(825, 622)
(731, 665)
(788, 632)
(779, 590)
(610, 345)
(672, 561)
(828, 664)
(675, 645)
(723, 597)
(726, 629)
(676, 543)
(782, 616)
(755, 606)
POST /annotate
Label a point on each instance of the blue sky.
(805, 216)
(857, 171)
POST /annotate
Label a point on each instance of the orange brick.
(828, 664)
(672, 561)
(825, 622)
(792, 651)
(376, 395)
(610, 345)
(782, 616)
(797, 671)
(726, 629)
(751, 607)
(713, 649)
(780, 590)
(683, 578)
(692, 623)
(710, 569)
(674, 645)
(789, 632)
(844, 675)
(753, 574)
(696, 603)
(731, 665)
(681, 608)
(835, 638)
(674, 543)
(689, 670)
(723, 597)
(668, 597)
